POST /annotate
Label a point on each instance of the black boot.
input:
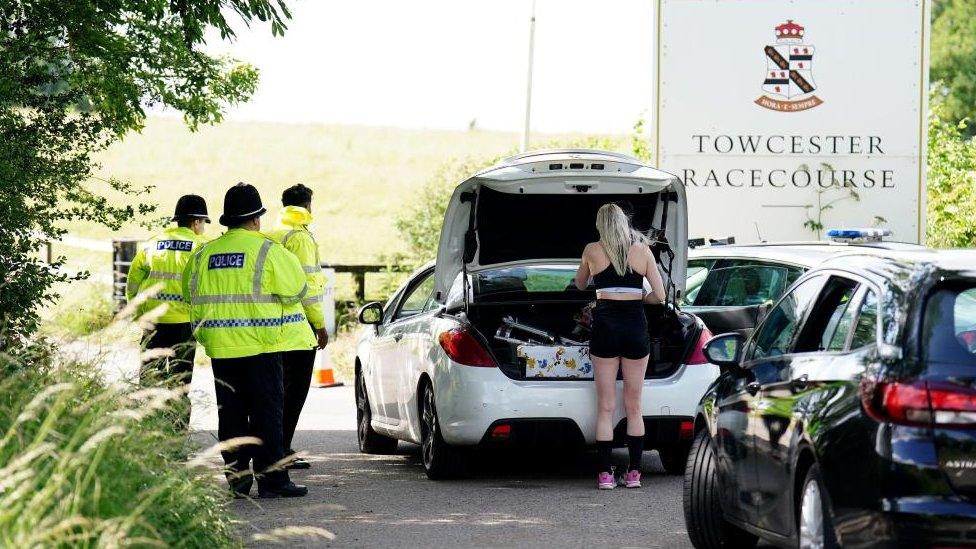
(295, 462)
(240, 483)
(286, 490)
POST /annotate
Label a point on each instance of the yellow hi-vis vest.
(245, 293)
(160, 261)
(292, 233)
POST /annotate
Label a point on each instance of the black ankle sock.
(604, 449)
(635, 446)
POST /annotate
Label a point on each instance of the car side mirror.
(371, 313)
(725, 350)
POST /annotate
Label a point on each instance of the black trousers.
(174, 370)
(178, 337)
(298, 366)
(250, 397)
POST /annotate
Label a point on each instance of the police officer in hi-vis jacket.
(292, 232)
(245, 292)
(158, 265)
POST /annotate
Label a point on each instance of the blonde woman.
(618, 264)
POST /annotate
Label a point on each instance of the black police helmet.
(241, 203)
(191, 206)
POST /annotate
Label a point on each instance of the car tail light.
(463, 348)
(502, 430)
(697, 355)
(686, 429)
(920, 403)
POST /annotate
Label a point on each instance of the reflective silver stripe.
(312, 300)
(162, 275)
(311, 269)
(234, 298)
(259, 267)
(195, 277)
(302, 293)
(288, 235)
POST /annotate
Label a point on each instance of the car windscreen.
(949, 329)
(526, 279)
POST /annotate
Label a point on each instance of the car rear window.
(949, 329)
(525, 280)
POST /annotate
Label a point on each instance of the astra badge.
(789, 82)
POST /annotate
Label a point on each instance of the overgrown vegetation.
(74, 78)
(953, 59)
(951, 208)
(85, 465)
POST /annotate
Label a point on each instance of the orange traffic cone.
(322, 375)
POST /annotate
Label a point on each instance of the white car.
(482, 347)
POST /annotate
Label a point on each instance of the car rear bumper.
(914, 522)
(470, 400)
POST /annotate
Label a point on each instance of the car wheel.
(370, 442)
(814, 524)
(441, 460)
(674, 459)
(705, 521)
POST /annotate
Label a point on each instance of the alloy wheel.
(362, 411)
(429, 427)
(811, 517)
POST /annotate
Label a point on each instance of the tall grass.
(87, 465)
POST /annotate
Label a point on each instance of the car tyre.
(441, 460)
(704, 518)
(674, 459)
(370, 442)
(815, 528)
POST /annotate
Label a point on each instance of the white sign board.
(781, 116)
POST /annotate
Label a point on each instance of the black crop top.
(608, 278)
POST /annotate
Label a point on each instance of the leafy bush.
(953, 58)
(85, 465)
(951, 208)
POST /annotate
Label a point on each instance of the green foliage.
(75, 77)
(953, 57)
(83, 465)
(420, 225)
(951, 209)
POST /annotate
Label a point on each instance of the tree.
(951, 208)
(75, 77)
(953, 58)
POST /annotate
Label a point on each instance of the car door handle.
(752, 387)
(397, 337)
(800, 383)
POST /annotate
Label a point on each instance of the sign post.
(785, 118)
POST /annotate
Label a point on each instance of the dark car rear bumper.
(913, 522)
(660, 432)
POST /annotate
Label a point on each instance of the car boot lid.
(542, 206)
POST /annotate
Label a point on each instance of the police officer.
(292, 232)
(159, 265)
(245, 293)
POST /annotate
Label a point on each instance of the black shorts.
(619, 330)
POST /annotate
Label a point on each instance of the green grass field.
(362, 177)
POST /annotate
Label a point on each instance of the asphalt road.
(511, 500)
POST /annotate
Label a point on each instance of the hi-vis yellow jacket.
(161, 261)
(292, 233)
(245, 293)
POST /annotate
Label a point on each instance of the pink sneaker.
(631, 479)
(604, 481)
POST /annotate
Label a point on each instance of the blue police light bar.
(858, 235)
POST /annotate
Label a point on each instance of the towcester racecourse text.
(813, 151)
